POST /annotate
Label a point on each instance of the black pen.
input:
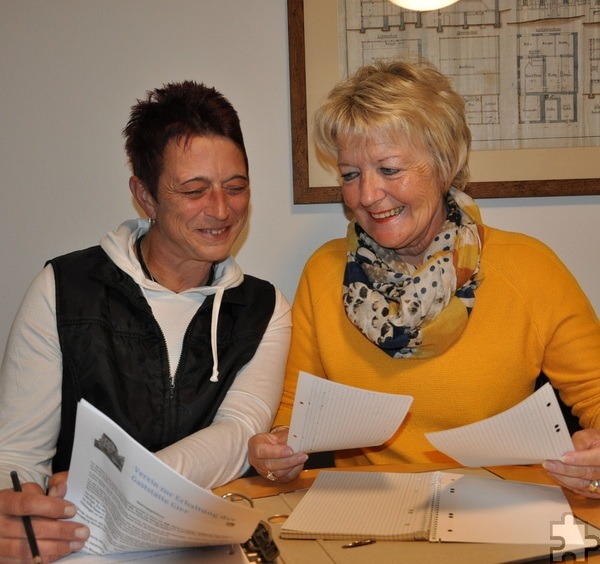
(35, 552)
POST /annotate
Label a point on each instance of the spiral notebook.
(429, 506)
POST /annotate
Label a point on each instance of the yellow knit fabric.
(530, 315)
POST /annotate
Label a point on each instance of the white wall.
(71, 69)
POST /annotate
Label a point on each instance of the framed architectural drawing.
(529, 71)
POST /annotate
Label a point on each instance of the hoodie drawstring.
(213, 331)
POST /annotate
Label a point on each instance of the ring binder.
(260, 547)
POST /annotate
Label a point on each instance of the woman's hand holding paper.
(273, 459)
(579, 471)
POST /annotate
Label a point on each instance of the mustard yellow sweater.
(530, 315)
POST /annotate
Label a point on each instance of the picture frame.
(307, 192)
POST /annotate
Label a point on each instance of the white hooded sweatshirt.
(31, 374)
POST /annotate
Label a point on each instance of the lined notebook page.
(528, 433)
(476, 509)
(364, 505)
(332, 416)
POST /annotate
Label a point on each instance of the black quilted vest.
(114, 354)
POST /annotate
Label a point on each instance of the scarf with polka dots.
(416, 311)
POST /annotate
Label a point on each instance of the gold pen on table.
(354, 544)
(35, 552)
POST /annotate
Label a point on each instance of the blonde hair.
(405, 103)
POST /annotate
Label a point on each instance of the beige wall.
(70, 70)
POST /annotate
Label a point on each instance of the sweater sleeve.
(304, 349)
(30, 386)
(570, 328)
(564, 326)
(218, 454)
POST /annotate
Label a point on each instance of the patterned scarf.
(416, 311)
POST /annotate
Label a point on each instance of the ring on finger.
(270, 476)
(594, 487)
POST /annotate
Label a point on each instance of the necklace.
(140, 254)
(148, 274)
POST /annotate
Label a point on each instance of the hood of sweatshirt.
(119, 245)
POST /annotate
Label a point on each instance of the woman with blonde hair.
(421, 298)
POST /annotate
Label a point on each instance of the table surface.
(267, 500)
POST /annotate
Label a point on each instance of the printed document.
(132, 501)
(231, 554)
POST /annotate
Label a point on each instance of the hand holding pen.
(32, 541)
(47, 537)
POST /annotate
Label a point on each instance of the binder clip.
(260, 547)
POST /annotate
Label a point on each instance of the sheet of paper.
(209, 555)
(476, 509)
(132, 501)
(528, 433)
(332, 416)
(364, 505)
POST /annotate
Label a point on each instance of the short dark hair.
(178, 110)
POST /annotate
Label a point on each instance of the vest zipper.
(183, 348)
(166, 351)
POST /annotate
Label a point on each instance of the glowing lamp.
(423, 5)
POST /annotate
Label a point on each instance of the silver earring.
(152, 222)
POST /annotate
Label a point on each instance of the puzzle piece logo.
(575, 540)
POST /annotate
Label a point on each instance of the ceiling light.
(423, 5)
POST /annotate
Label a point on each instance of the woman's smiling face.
(203, 198)
(394, 193)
